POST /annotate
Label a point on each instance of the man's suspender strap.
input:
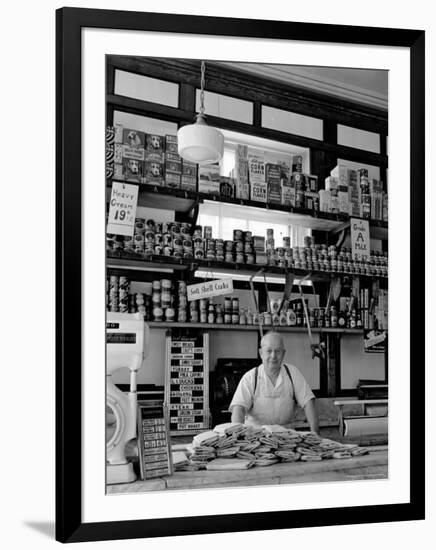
(256, 374)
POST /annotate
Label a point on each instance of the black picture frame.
(69, 23)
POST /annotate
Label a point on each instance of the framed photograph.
(240, 225)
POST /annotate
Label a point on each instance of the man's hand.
(238, 414)
(311, 415)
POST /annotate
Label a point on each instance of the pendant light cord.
(203, 68)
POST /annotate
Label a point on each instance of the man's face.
(272, 352)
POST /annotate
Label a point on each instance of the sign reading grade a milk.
(209, 289)
(122, 209)
(360, 241)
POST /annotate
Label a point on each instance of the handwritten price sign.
(122, 209)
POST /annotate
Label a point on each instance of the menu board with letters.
(187, 382)
(153, 441)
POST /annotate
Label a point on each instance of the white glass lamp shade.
(200, 143)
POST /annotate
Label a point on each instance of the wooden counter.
(371, 466)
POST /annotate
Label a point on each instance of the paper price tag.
(122, 209)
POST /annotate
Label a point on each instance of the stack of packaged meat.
(261, 446)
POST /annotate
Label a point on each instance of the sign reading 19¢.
(122, 209)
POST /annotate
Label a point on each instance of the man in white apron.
(269, 394)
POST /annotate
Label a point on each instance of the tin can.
(198, 254)
(175, 228)
(229, 257)
(156, 297)
(248, 248)
(237, 234)
(177, 253)
(198, 242)
(113, 283)
(219, 257)
(124, 284)
(169, 314)
(249, 258)
(158, 250)
(167, 250)
(177, 241)
(183, 300)
(194, 315)
(270, 233)
(139, 299)
(203, 316)
(149, 224)
(203, 304)
(267, 318)
(235, 304)
(157, 313)
(286, 242)
(235, 318)
(228, 246)
(239, 258)
(248, 236)
(139, 241)
(167, 239)
(139, 226)
(239, 246)
(156, 284)
(227, 318)
(198, 231)
(182, 287)
(228, 304)
(210, 255)
(182, 315)
(207, 232)
(185, 228)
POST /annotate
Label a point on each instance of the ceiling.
(366, 86)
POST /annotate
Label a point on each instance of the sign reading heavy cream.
(209, 289)
(360, 241)
(122, 209)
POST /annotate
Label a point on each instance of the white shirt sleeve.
(302, 390)
(244, 392)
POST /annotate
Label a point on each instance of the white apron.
(272, 404)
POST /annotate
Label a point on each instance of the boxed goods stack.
(173, 163)
(286, 182)
(311, 196)
(365, 197)
(154, 160)
(133, 155)
(354, 193)
(242, 187)
(209, 179)
(138, 157)
(273, 176)
(256, 170)
(340, 172)
(376, 192)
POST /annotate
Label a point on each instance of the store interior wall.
(355, 363)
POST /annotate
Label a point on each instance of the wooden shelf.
(136, 262)
(180, 200)
(244, 328)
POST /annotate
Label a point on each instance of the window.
(292, 123)
(224, 218)
(224, 106)
(146, 88)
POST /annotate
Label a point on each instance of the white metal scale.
(127, 341)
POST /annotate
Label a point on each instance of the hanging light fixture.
(199, 142)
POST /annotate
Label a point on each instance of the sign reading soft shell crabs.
(360, 241)
(122, 209)
(209, 289)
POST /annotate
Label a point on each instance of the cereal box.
(242, 187)
(118, 133)
(189, 169)
(171, 144)
(353, 193)
(297, 163)
(189, 183)
(209, 179)
(154, 143)
(256, 170)
(324, 200)
(173, 163)
(227, 187)
(172, 179)
(133, 170)
(311, 183)
(272, 176)
(133, 144)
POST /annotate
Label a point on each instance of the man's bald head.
(272, 351)
(271, 337)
